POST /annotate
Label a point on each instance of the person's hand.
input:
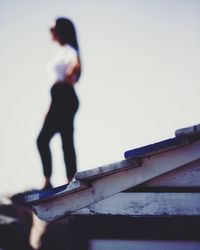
(73, 74)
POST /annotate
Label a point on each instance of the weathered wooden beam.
(147, 204)
(106, 186)
(187, 176)
(109, 169)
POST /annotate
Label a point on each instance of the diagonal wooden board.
(105, 186)
(147, 204)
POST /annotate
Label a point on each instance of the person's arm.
(74, 73)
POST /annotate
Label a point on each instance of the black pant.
(60, 118)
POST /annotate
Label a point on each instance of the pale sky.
(140, 80)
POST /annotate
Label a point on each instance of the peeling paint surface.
(147, 204)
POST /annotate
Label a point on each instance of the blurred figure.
(64, 104)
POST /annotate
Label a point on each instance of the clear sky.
(140, 80)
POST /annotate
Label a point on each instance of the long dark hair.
(65, 30)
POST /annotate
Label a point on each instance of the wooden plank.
(78, 184)
(107, 170)
(147, 204)
(186, 176)
(157, 147)
(109, 185)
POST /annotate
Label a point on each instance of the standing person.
(64, 103)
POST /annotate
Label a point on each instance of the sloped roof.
(140, 165)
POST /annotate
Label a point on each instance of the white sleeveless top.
(63, 63)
